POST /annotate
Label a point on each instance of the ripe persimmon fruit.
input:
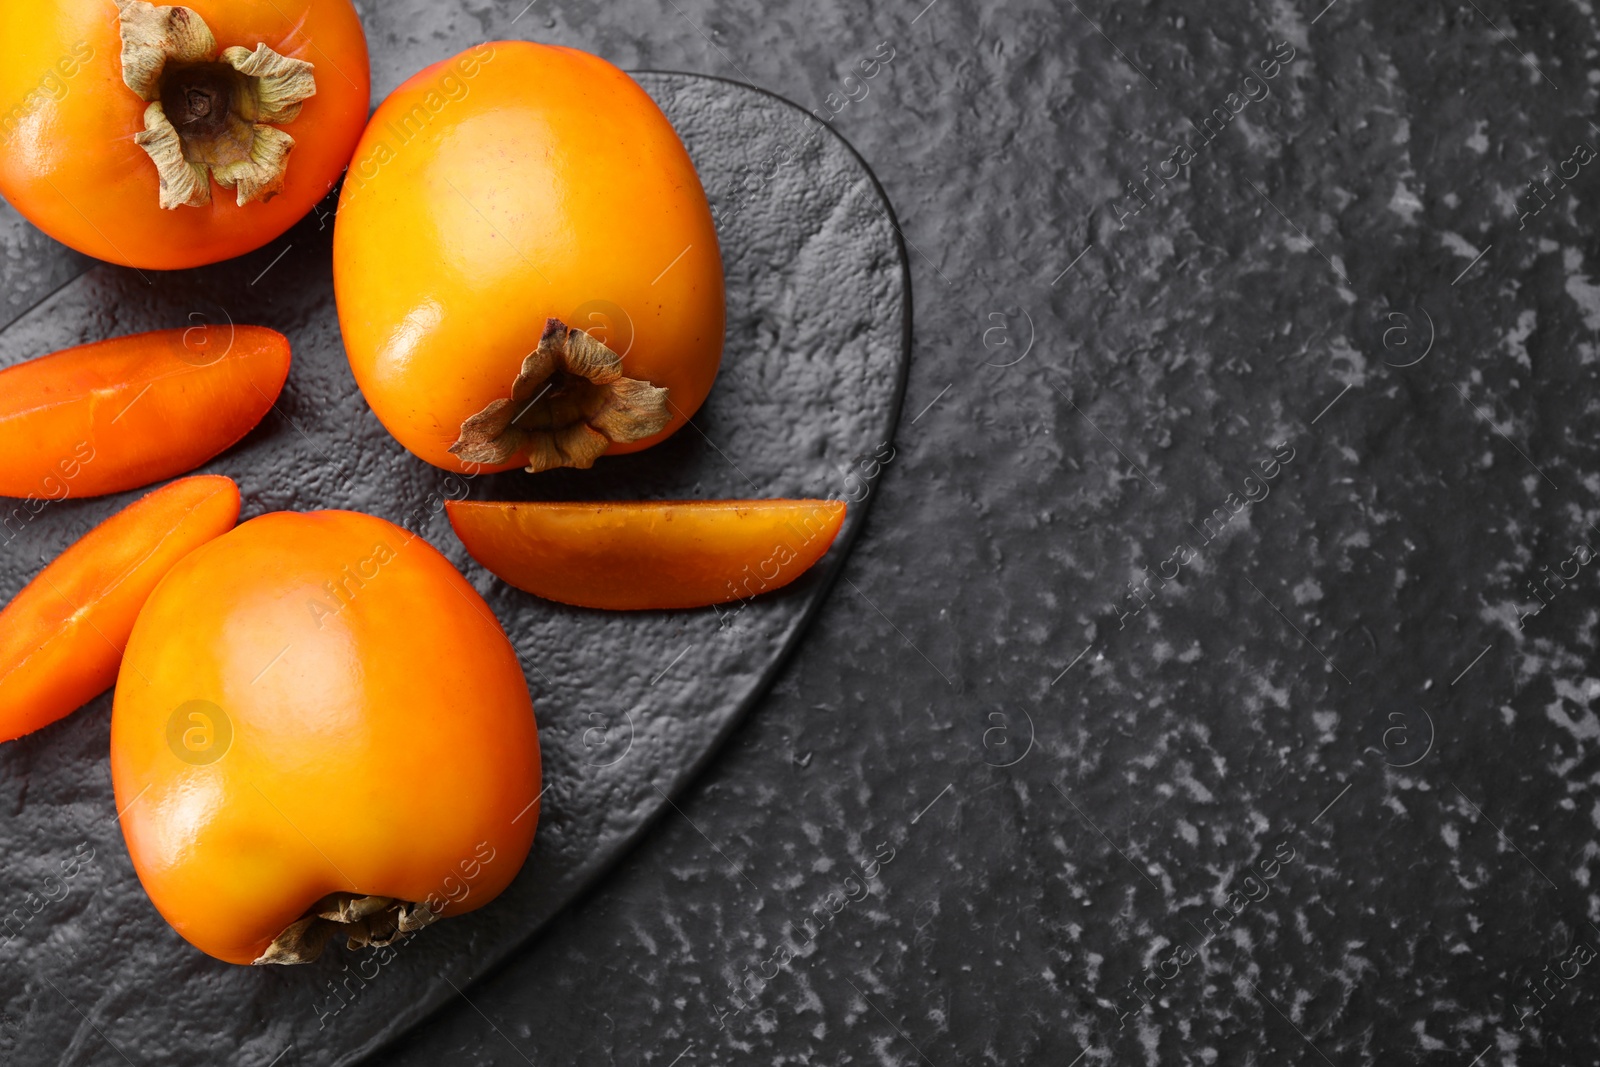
(128, 411)
(61, 639)
(169, 137)
(640, 555)
(320, 729)
(526, 266)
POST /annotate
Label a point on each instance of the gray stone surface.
(1340, 674)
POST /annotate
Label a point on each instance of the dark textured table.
(1211, 682)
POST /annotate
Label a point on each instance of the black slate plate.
(629, 705)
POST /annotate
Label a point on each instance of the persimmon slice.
(634, 556)
(130, 411)
(61, 639)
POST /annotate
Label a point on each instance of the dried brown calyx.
(568, 404)
(208, 110)
(362, 921)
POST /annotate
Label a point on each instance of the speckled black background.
(1349, 674)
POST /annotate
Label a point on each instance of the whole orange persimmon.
(320, 730)
(526, 266)
(168, 137)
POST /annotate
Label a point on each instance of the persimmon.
(320, 729)
(119, 414)
(61, 639)
(122, 119)
(526, 267)
(632, 556)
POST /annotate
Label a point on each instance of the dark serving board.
(629, 705)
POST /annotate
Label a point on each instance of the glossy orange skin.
(61, 639)
(119, 414)
(544, 184)
(68, 161)
(635, 556)
(382, 736)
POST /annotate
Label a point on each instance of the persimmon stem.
(568, 404)
(375, 921)
(208, 110)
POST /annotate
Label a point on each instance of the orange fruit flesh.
(632, 556)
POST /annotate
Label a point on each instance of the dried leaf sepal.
(568, 404)
(208, 110)
(362, 921)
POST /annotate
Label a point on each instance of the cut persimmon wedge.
(648, 555)
(61, 639)
(119, 414)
